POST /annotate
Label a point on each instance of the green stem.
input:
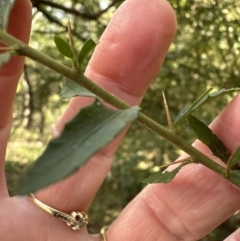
(23, 49)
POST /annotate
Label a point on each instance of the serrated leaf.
(71, 89)
(87, 47)
(236, 157)
(235, 176)
(4, 58)
(63, 47)
(203, 99)
(205, 134)
(164, 177)
(5, 10)
(92, 128)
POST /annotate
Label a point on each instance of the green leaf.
(187, 109)
(71, 89)
(235, 176)
(5, 10)
(63, 47)
(88, 46)
(236, 157)
(4, 58)
(203, 99)
(205, 134)
(164, 177)
(90, 130)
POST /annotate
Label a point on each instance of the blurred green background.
(204, 53)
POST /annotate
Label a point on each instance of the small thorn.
(187, 159)
(169, 119)
(71, 43)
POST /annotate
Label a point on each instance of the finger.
(190, 206)
(125, 62)
(129, 53)
(234, 236)
(19, 26)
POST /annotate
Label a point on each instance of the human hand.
(125, 61)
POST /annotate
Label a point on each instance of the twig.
(25, 50)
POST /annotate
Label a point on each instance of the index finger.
(19, 26)
(128, 56)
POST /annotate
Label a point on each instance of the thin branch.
(50, 32)
(197, 156)
(50, 17)
(89, 16)
(28, 100)
(54, 20)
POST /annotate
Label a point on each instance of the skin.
(129, 55)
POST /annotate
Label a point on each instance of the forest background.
(204, 53)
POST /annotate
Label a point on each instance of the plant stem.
(23, 49)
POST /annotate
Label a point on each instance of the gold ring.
(103, 235)
(76, 220)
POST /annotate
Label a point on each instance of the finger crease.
(173, 232)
